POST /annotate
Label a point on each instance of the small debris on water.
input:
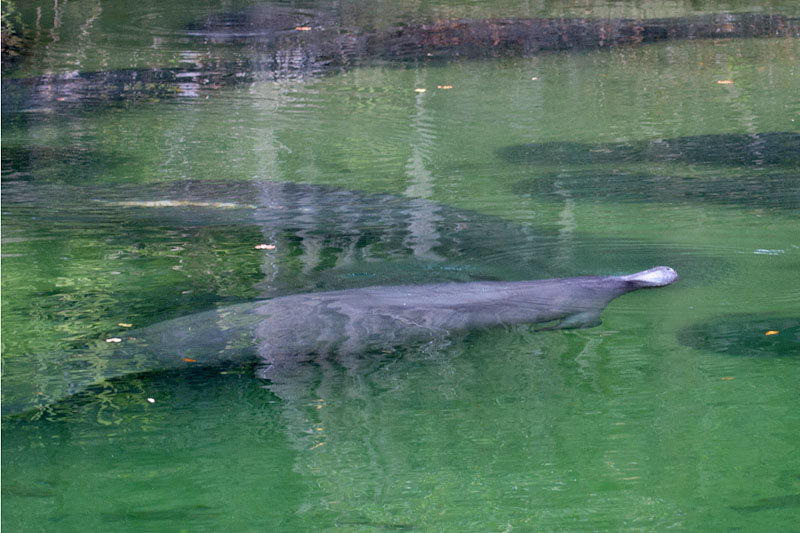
(114, 339)
(265, 246)
(727, 378)
(125, 325)
(724, 82)
(420, 90)
(444, 86)
(772, 332)
(151, 400)
(302, 28)
(189, 360)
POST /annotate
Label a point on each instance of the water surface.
(677, 412)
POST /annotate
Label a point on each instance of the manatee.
(760, 190)
(750, 150)
(350, 321)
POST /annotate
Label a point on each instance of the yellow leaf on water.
(772, 332)
(724, 82)
(125, 325)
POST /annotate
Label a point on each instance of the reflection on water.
(146, 153)
(278, 43)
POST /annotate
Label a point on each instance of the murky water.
(147, 152)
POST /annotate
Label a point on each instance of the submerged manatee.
(360, 320)
(756, 150)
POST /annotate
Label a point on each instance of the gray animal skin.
(370, 318)
(281, 331)
(379, 318)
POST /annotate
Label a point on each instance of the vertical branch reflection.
(423, 216)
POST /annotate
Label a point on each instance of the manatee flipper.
(584, 319)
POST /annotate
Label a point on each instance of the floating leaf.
(114, 339)
(189, 360)
(772, 332)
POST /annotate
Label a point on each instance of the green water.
(652, 421)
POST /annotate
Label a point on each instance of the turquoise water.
(678, 412)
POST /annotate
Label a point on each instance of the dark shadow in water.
(60, 164)
(788, 501)
(773, 190)
(748, 150)
(750, 335)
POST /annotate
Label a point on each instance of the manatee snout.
(654, 277)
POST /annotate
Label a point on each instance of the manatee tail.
(654, 277)
(57, 376)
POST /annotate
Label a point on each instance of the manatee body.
(363, 319)
(281, 332)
